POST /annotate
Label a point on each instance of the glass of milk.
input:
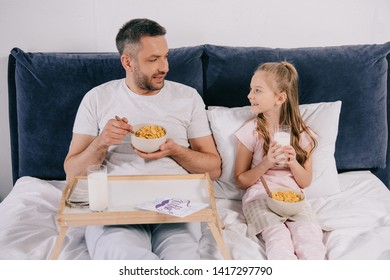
(97, 187)
(282, 137)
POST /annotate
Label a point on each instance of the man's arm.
(86, 149)
(202, 157)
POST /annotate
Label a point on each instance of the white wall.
(91, 25)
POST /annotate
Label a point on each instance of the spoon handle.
(121, 120)
(266, 186)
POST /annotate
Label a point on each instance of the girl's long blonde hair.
(286, 80)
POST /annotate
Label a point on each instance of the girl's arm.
(244, 175)
(302, 174)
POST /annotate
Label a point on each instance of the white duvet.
(357, 219)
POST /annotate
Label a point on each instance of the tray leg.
(221, 226)
(58, 245)
(216, 231)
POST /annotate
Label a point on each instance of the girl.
(274, 100)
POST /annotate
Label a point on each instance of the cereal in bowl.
(150, 132)
(286, 196)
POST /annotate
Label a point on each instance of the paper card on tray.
(173, 206)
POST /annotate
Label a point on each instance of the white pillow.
(224, 122)
(322, 118)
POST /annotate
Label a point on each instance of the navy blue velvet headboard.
(45, 90)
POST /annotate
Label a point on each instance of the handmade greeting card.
(173, 206)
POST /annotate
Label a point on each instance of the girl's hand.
(273, 152)
(290, 154)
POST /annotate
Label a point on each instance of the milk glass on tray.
(97, 187)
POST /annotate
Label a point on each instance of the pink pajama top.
(276, 177)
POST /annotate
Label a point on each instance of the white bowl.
(286, 209)
(147, 145)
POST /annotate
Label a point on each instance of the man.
(144, 96)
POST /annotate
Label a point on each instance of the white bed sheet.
(358, 220)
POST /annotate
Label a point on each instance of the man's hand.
(169, 148)
(114, 131)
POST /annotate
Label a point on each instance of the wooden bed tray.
(128, 191)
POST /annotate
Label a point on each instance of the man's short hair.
(131, 33)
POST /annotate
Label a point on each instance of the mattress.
(357, 223)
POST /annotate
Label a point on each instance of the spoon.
(121, 120)
(266, 187)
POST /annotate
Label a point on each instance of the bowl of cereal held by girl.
(148, 138)
(286, 202)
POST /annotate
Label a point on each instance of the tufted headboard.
(45, 90)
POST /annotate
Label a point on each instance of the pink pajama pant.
(294, 240)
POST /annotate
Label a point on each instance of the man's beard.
(144, 82)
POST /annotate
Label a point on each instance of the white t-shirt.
(177, 107)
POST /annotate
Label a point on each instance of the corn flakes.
(286, 196)
(150, 132)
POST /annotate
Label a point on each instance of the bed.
(343, 95)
